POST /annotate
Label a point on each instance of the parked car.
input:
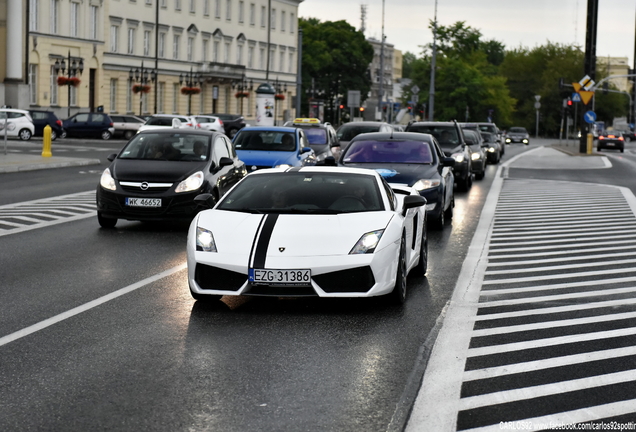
(321, 136)
(273, 146)
(517, 135)
(232, 123)
(258, 240)
(348, 131)
(159, 172)
(611, 140)
(42, 118)
(451, 140)
(19, 123)
(126, 125)
(165, 121)
(211, 123)
(494, 151)
(414, 159)
(477, 152)
(89, 125)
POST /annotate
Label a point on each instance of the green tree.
(336, 59)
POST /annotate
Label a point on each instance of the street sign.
(587, 82)
(537, 98)
(576, 97)
(353, 98)
(586, 96)
(415, 97)
(590, 117)
(537, 105)
(415, 89)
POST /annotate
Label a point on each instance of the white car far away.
(311, 231)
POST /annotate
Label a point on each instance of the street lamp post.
(142, 76)
(281, 89)
(74, 68)
(243, 86)
(192, 81)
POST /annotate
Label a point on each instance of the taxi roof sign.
(306, 121)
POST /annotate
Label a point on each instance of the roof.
(268, 128)
(415, 136)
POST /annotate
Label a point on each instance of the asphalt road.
(98, 330)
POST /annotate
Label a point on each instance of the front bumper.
(111, 204)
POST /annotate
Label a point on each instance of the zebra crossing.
(29, 215)
(549, 316)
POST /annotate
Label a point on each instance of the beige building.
(218, 47)
(617, 66)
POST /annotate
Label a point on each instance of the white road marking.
(88, 306)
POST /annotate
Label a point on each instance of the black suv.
(232, 123)
(42, 118)
(89, 125)
(452, 142)
(321, 136)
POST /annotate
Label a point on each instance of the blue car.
(273, 146)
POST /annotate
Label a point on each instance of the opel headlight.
(459, 157)
(421, 185)
(475, 156)
(491, 149)
(107, 181)
(205, 240)
(367, 243)
(508, 140)
(193, 182)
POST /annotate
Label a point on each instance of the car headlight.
(107, 181)
(193, 182)
(459, 157)
(205, 240)
(421, 185)
(491, 149)
(367, 242)
(283, 166)
(475, 156)
(525, 140)
(508, 140)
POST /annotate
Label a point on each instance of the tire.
(466, 182)
(439, 222)
(105, 135)
(622, 150)
(398, 295)
(105, 222)
(480, 175)
(422, 264)
(129, 134)
(25, 134)
(53, 135)
(448, 213)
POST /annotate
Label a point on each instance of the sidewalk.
(17, 162)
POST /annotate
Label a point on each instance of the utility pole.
(156, 52)
(299, 72)
(590, 59)
(269, 35)
(381, 89)
(431, 92)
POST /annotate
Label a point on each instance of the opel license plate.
(143, 202)
(280, 277)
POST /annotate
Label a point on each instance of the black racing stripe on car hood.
(262, 243)
(253, 248)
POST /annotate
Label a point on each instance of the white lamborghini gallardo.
(311, 231)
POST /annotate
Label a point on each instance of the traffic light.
(570, 103)
(384, 109)
(361, 109)
(341, 106)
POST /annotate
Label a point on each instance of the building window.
(263, 16)
(162, 45)
(239, 54)
(161, 97)
(282, 21)
(261, 59)
(175, 97)
(250, 57)
(252, 14)
(164, 3)
(55, 12)
(215, 51)
(129, 94)
(290, 66)
(228, 10)
(33, 84)
(148, 2)
(206, 7)
(147, 42)
(53, 87)
(73, 91)
(226, 54)
(281, 61)
(74, 16)
(114, 38)
(292, 20)
(217, 8)
(192, 6)
(175, 47)
(206, 44)
(190, 47)
(113, 95)
(33, 14)
(271, 59)
(131, 40)
(241, 12)
(94, 20)
(273, 18)
(177, 5)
